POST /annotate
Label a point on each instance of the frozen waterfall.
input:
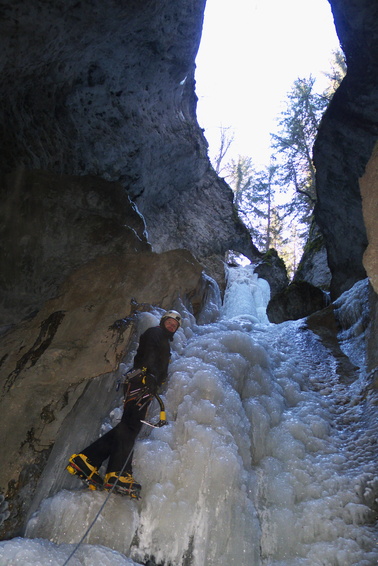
(268, 458)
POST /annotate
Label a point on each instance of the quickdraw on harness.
(141, 394)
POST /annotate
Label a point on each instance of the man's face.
(171, 324)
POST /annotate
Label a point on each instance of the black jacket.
(154, 352)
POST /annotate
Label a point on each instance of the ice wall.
(265, 460)
(246, 295)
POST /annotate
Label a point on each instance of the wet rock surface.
(272, 268)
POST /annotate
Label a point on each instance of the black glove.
(150, 382)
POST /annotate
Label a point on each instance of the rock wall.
(345, 141)
(107, 89)
(369, 192)
(313, 266)
(51, 224)
(104, 175)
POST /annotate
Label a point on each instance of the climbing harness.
(142, 395)
(130, 375)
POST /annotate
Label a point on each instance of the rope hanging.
(97, 514)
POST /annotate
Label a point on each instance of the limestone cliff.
(369, 191)
(51, 224)
(107, 89)
(345, 141)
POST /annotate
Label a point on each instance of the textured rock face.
(369, 191)
(306, 294)
(299, 300)
(313, 266)
(345, 141)
(272, 269)
(107, 89)
(104, 74)
(50, 225)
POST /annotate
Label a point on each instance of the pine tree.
(254, 196)
(277, 231)
(336, 74)
(298, 126)
(240, 176)
(265, 188)
(291, 171)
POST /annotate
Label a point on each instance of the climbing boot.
(80, 466)
(125, 485)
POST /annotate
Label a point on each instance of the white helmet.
(171, 314)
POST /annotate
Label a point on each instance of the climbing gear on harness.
(123, 484)
(129, 375)
(144, 393)
(80, 466)
(172, 314)
(137, 372)
(135, 390)
(150, 381)
(162, 417)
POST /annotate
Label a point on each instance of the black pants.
(118, 443)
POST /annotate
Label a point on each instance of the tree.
(254, 195)
(298, 126)
(336, 74)
(226, 139)
(265, 187)
(273, 221)
(277, 231)
(240, 175)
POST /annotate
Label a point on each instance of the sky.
(251, 53)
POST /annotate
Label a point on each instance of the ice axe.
(162, 417)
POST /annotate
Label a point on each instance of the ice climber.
(152, 359)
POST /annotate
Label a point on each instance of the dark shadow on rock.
(324, 324)
(272, 268)
(298, 300)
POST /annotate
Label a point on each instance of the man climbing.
(152, 359)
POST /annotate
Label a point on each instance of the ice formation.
(266, 459)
